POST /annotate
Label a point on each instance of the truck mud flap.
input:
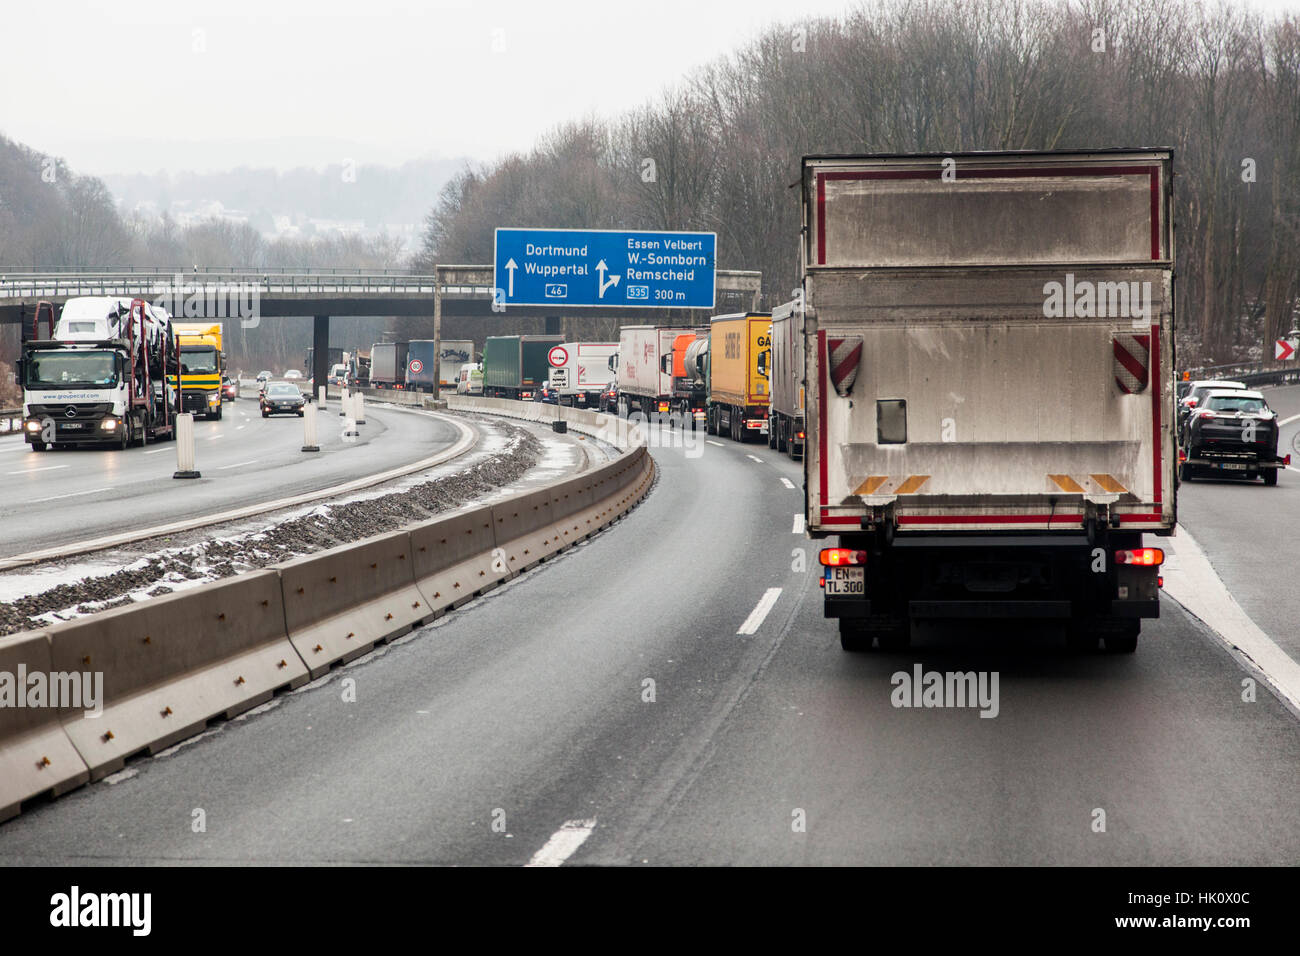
(990, 609)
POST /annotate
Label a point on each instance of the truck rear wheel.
(1270, 476)
(1123, 640)
(855, 636)
(895, 636)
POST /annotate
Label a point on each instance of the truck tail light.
(1287, 460)
(838, 557)
(1146, 557)
(663, 406)
(800, 435)
(1182, 455)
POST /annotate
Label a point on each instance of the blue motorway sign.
(586, 268)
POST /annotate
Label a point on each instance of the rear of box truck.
(988, 348)
(740, 357)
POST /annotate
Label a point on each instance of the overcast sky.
(126, 86)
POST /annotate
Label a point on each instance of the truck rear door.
(990, 341)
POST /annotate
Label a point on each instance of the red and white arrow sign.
(1283, 349)
(558, 356)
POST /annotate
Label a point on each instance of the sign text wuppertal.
(587, 268)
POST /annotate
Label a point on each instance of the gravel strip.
(324, 527)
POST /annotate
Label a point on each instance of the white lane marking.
(215, 437)
(154, 451)
(239, 464)
(754, 458)
(563, 843)
(759, 614)
(1288, 421)
(29, 471)
(787, 482)
(798, 524)
(1191, 580)
(240, 428)
(718, 443)
(71, 494)
(1292, 468)
(20, 446)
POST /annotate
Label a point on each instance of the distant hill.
(299, 203)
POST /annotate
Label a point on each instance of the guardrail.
(11, 421)
(170, 664)
(1250, 373)
(55, 285)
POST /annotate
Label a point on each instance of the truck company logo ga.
(951, 689)
(76, 909)
(74, 689)
(1097, 300)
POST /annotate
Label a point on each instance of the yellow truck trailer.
(202, 365)
(740, 357)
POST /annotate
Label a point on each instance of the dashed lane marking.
(563, 843)
(760, 612)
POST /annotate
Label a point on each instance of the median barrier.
(525, 529)
(455, 558)
(339, 603)
(170, 664)
(36, 756)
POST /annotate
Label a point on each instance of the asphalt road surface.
(477, 740)
(60, 497)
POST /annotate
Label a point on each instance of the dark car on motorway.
(1231, 433)
(545, 393)
(1192, 395)
(229, 389)
(608, 401)
(282, 398)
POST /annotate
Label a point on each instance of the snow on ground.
(511, 456)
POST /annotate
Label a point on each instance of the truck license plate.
(1233, 466)
(845, 582)
(70, 425)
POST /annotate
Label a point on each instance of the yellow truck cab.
(202, 365)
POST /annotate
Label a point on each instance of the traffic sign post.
(591, 268)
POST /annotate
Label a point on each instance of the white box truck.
(989, 356)
(580, 371)
(644, 385)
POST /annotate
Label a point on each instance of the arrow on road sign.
(1283, 349)
(511, 266)
(604, 286)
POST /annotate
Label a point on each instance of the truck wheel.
(38, 446)
(217, 416)
(1270, 476)
(771, 433)
(124, 435)
(855, 637)
(895, 637)
(1081, 638)
(1124, 641)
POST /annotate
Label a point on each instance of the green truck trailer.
(515, 365)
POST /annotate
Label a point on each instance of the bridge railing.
(55, 285)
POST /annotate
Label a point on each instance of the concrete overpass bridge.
(450, 290)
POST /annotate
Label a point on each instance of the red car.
(229, 389)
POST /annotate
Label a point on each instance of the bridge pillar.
(320, 356)
(554, 325)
